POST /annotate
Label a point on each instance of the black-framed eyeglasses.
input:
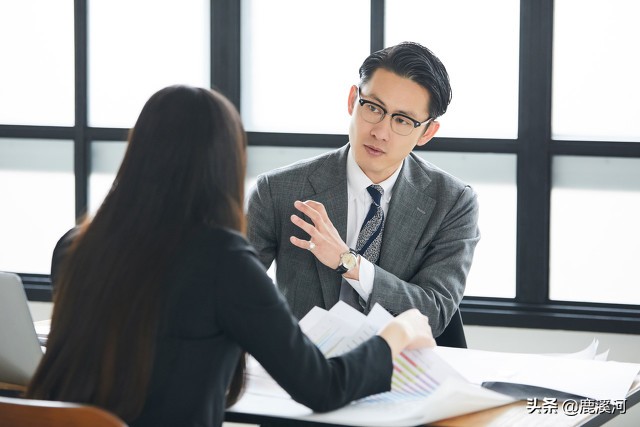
(400, 123)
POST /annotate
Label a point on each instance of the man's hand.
(325, 242)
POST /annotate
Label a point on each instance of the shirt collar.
(358, 182)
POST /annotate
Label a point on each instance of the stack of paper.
(583, 374)
(425, 388)
(417, 373)
(42, 331)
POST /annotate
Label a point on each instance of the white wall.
(40, 310)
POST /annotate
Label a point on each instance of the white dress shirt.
(359, 204)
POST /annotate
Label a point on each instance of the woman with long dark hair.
(158, 295)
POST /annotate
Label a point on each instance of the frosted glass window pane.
(138, 47)
(36, 76)
(298, 65)
(38, 201)
(493, 177)
(478, 43)
(595, 70)
(106, 158)
(595, 206)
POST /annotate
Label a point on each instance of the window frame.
(534, 148)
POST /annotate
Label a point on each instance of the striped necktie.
(370, 237)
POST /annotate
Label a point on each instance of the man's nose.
(382, 130)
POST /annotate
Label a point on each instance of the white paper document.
(583, 376)
(424, 388)
(433, 384)
(263, 396)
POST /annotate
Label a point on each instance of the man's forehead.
(397, 93)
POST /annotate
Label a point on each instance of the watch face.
(349, 260)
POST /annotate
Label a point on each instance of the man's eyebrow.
(374, 98)
(409, 114)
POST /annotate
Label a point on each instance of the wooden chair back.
(16, 412)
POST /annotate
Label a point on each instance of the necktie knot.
(375, 191)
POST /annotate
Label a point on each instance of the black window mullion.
(377, 25)
(81, 150)
(225, 48)
(36, 132)
(596, 148)
(534, 160)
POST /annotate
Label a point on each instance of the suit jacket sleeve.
(262, 222)
(437, 286)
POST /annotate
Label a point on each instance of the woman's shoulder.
(60, 252)
(211, 251)
(220, 239)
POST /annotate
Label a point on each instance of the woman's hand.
(407, 331)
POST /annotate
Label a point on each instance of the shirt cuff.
(364, 286)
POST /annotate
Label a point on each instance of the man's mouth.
(373, 151)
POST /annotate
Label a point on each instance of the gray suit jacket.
(429, 237)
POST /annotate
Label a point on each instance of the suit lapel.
(329, 183)
(408, 214)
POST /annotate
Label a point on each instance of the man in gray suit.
(372, 222)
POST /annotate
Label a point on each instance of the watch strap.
(341, 269)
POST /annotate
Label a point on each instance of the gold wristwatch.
(348, 260)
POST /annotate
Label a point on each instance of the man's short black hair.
(416, 62)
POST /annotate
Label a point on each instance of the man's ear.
(353, 97)
(429, 133)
